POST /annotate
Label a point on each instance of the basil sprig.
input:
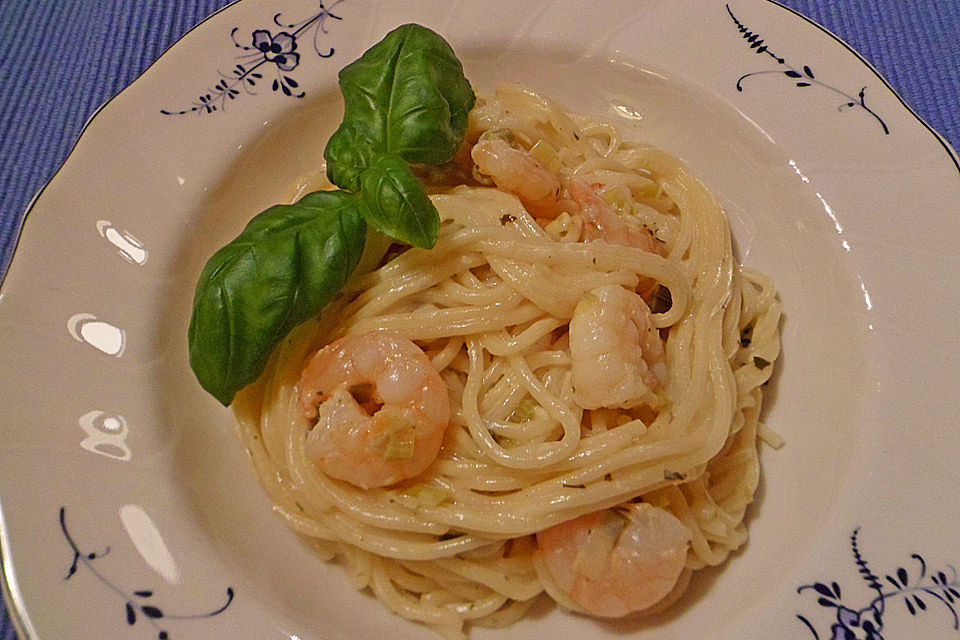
(406, 101)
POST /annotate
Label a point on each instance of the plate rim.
(12, 597)
(5, 265)
(31, 204)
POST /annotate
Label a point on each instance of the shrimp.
(615, 561)
(513, 170)
(603, 222)
(617, 355)
(380, 409)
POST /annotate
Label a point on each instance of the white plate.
(852, 209)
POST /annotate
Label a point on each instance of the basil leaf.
(406, 95)
(284, 267)
(406, 101)
(396, 203)
(349, 152)
(430, 97)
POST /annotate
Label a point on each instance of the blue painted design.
(266, 52)
(801, 77)
(138, 604)
(917, 590)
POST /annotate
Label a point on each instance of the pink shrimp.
(617, 354)
(616, 561)
(379, 406)
(513, 170)
(603, 222)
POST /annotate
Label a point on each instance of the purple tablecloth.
(63, 58)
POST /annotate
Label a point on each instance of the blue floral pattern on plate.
(801, 77)
(266, 51)
(917, 591)
(139, 604)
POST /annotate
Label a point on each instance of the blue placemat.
(63, 58)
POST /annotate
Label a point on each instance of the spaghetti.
(495, 307)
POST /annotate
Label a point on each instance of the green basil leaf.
(396, 204)
(406, 95)
(348, 153)
(283, 268)
(430, 98)
(406, 101)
